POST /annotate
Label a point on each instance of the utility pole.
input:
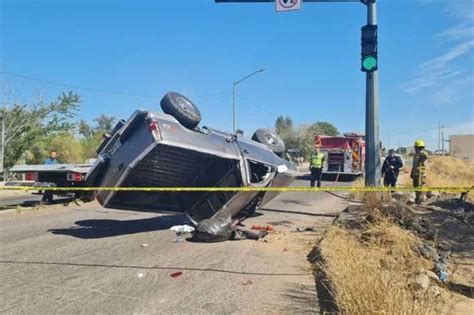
(442, 139)
(370, 66)
(439, 136)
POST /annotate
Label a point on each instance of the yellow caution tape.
(243, 189)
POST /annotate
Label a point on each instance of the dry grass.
(445, 171)
(373, 272)
(358, 183)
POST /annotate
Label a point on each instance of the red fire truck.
(344, 155)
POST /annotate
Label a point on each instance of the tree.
(302, 137)
(29, 125)
(84, 129)
(68, 147)
(92, 135)
(104, 123)
(90, 144)
(327, 128)
(284, 128)
(283, 125)
(308, 132)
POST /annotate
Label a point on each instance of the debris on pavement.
(306, 229)
(262, 227)
(141, 275)
(217, 229)
(181, 230)
(144, 245)
(244, 234)
(248, 282)
(223, 229)
(176, 274)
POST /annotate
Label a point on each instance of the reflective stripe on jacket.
(317, 160)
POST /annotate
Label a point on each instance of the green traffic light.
(369, 63)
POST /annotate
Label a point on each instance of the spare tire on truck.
(270, 139)
(181, 108)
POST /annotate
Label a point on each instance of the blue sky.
(127, 54)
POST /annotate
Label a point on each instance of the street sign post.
(369, 65)
(287, 5)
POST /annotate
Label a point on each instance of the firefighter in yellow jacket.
(316, 164)
(418, 171)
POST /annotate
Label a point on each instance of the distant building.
(462, 146)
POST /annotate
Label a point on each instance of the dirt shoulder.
(382, 258)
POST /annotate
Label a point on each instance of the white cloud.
(460, 9)
(436, 71)
(449, 93)
(441, 77)
(457, 32)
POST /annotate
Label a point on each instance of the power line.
(74, 86)
(417, 131)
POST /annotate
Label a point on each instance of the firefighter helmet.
(419, 144)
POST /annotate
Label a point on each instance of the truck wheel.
(181, 108)
(270, 139)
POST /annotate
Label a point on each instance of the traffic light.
(369, 48)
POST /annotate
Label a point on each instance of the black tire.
(270, 139)
(181, 108)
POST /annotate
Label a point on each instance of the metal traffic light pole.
(372, 149)
(372, 143)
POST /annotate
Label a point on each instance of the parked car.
(170, 150)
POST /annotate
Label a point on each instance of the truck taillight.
(31, 176)
(153, 126)
(75, 177)
(154, 130)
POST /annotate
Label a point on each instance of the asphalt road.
(27, 199)
(93, 260)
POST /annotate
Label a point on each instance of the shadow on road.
(297, 202)
(300, 212)
(330, 177)
(89, 229)
(46, 263)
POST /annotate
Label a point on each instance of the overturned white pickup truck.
(170, 150)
